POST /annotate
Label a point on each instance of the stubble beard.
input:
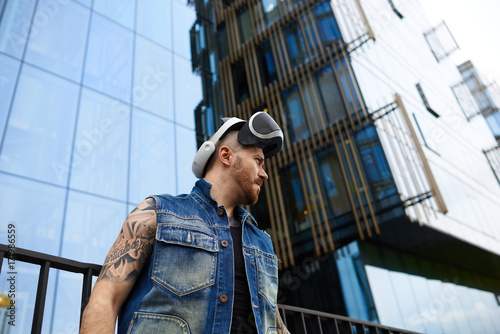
(243, 179)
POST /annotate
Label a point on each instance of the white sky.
(476, 28)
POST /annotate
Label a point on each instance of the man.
(197, 263)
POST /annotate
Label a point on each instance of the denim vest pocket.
(185, 258)
(152, 323)
(267, 270)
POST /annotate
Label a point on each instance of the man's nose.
(263, 174)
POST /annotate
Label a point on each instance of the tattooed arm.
(120, 270)
(279, 324)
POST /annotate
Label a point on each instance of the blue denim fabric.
(181, 287)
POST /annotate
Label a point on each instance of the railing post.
(86, 290)
(41, 293)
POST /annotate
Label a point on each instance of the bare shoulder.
(133, 246)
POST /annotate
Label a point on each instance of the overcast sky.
(476, 28)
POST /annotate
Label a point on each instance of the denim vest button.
(224, 243)
(220, 212)
(223, 298)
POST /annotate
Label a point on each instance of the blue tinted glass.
(59, 44)
(186, 149)
(152, 160)
(108, 66)
(187, 92)
(40, 130)
(331, 97)
(15, 25)
(183, 17)
(87, 3)
(153, 78)
(67, 303)
(45, 201)
(121, 11)
(8, 74)
(296, 118)
(271, 12)
(100, 157)
(154, 20)
(327, 26)
(85, 215)
(25, 295)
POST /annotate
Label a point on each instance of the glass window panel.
(333, 182)
(154, 20)
(15, 25)
(292, 189)
(271, 12)
(121, 11)
(327, 26)
(152, 160)
(245, 24)
(67, 303)
(59, 44)
(85, 215)
(26, 287)
(333, 105)
(384, 297)
(9, 69)
(153, 78)
(186, 149)
(32, 231)
(185, 103)
(222, 41)
(100, 157)
(108, 65)
(296, 118)
(267, 64)
(183, 19)
(240, 81)
(40, 129)
(86, 3)
(296, 45)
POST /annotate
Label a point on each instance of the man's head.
(234, 156)
(260, 131)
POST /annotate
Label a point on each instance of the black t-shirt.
(243, 318)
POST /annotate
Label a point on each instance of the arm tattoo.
(133, 246)
(281, 329)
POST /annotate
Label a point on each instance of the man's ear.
(225, 155)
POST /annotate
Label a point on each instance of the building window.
(327, 25)
(271, 13)
(297, 208)
(222, 41)
(295, 115)
(240, 81)
(331, 97)
(424, 100)
(245, 24)
(267, 64)
(441, 41)
(296, 45)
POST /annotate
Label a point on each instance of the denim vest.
(187, 285)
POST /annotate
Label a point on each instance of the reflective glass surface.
(39, 134)
(154, 21)
(8, 74)
(92, 225)
(120, 11)
(153, 78)
(58, 44)
(152, 166)
(37, 219)
(244, 24)
(15, 26)
(296, 118)
(185, 151)
(183, 18)
(100, 157)
(187, 92)
(271, 12)
(108, 66)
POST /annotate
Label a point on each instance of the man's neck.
(221, 193)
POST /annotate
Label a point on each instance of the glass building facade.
(97, 101)
(383, 204)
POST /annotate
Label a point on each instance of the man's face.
(248, 172)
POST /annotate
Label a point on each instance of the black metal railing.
(298, 320)
(304, 321)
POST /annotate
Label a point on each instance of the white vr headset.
(261, 131)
